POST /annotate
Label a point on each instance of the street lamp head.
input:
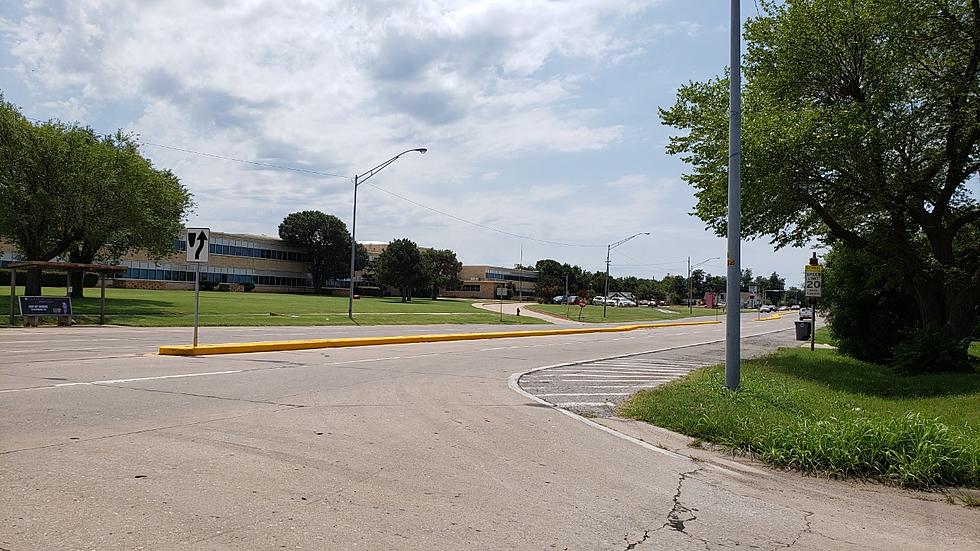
(422, 150)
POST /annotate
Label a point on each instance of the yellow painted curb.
(278, 346)
(769, 318)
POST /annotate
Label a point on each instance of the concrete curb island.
(310, 344)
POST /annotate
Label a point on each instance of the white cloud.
(493, 88)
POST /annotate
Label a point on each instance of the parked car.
(560, 299)
(599, 300)
(625, 302)
(794, 307)
(806, 313)
(766, 308)
(783, 309)
(644, 302)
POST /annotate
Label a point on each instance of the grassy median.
(176, 309)
(823, 412)
(614, 314)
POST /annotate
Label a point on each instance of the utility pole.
(567, 315)
(733, 320)
(690, 287)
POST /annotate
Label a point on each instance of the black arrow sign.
(202, 241)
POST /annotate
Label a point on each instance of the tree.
(442, 269)
(861, 124)
(327, 242)
(128, 205)
(746, 279)
(63, 189)
(400, 266)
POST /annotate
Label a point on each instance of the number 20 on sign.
(812, 283)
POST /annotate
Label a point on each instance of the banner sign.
(45, 306)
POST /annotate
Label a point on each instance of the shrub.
(206, 285)
(866, 309)
(248, 286)
(929, 350)
(911, 450)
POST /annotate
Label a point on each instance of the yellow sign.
(811, 268)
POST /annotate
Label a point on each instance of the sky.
(540, 117)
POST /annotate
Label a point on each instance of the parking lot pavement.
(597, 388)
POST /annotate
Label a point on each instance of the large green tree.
(64, 191)
(326, 240)
(442, 269)
(127, 205)
(400, 266)
(861, 121)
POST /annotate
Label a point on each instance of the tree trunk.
(401, 291)
(32, 287)
(77, 284)
(435, 293)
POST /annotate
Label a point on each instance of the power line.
(379, 188)
(479, 225)
(256, 163)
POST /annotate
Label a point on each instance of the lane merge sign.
(197, 244)
(813, 280)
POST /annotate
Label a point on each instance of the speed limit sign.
(813, 278)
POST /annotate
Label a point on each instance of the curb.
(279, 346)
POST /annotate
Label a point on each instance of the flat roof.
(66, 266)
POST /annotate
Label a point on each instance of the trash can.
(803, 330)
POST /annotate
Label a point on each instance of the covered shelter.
(67, 267)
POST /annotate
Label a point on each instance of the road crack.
(680, 513)
(807, 528)
(629, 546)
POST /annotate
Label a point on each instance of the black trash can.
(803, 330)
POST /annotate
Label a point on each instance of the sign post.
(197, 254)
(813, 284)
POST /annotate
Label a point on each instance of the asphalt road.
(104, 445)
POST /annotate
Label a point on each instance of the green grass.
(823, 336)
(593, 314)
(823, 412)
(176, 309)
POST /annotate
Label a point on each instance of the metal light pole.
(609, 248)
(733, 319)
(690, 282)
(358, 180)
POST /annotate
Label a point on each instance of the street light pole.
(690, 282)
(609, 248)
(732, 316)
(358, 180)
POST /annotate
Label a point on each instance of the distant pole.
(13, 296)
(567, 315)
(605, 298)
(733, 329)
(690, 287)
(353, 254)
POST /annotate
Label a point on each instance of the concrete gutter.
(310, 344)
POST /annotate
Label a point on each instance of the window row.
(251, 252)
(180, 275)
(497, 276)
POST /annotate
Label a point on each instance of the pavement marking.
(114, 381)
(583, 404)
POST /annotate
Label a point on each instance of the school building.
(271, 265)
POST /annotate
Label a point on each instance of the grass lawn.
(823, 412)
(593, 314)
(176, 309)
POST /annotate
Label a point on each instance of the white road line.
(114, 381)
(580, 404)
(587, 394)
(619, 377)
(367, 360)
(626, 373)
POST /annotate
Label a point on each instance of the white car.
(625, 302)
(766, 308)
(599, 300)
